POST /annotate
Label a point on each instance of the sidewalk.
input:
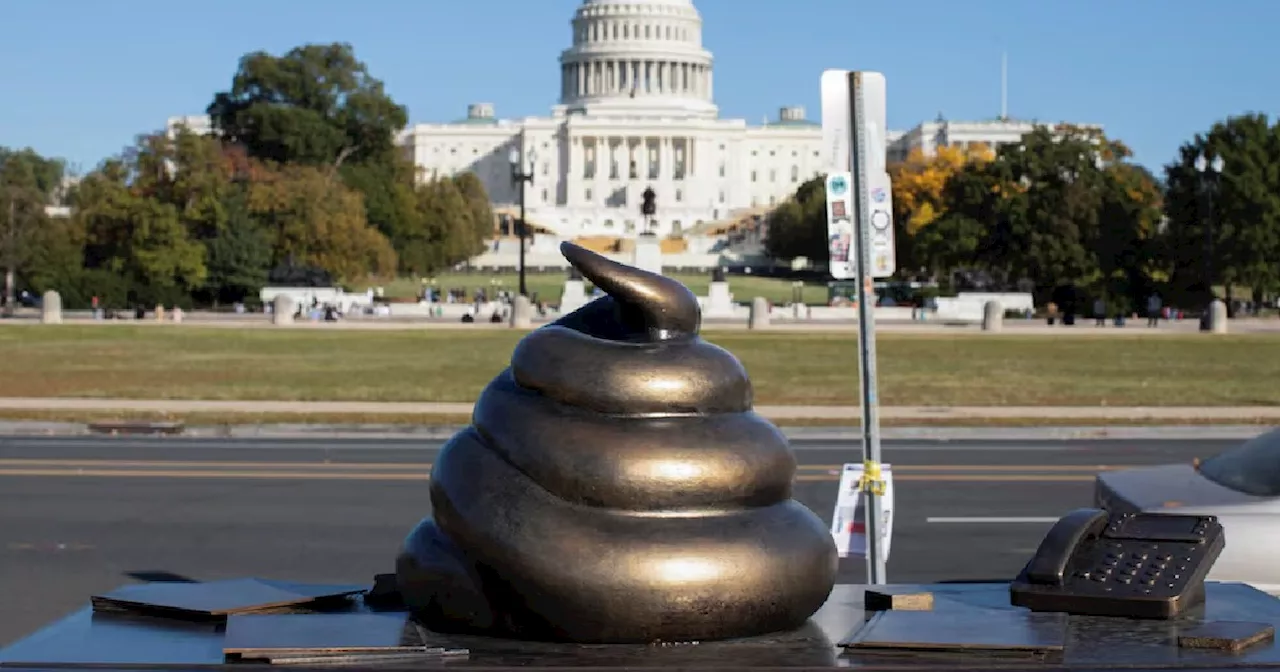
(1011, 327)
(924, 413)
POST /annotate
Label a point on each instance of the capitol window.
(679, 196)
(753, 176)
(795, 173)
(587, 194)
(544, 195)
(722, 170)
(613, 169)
(773, 200)
(722, 197)
(773, 174)
(635, 171)
(608, 223)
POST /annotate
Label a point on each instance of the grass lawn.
(549, 285)
(424, 365)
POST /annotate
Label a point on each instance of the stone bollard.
(51, 308)
(992, 316)
(282, 310)
(759, 313)
(159, 312)
(176, 315)
(521, 313)
(1218, 317)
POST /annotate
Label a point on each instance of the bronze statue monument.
(615, 486)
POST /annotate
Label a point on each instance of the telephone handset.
(1049, 566)
(1140, 565)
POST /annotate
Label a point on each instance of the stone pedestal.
(282, 310)
(574, 296)
(648, 254)
(51, 308)
(759, 313)
(719, 301)
(992, 316)
(177, 315)
(521, 313)
(159, 312)
(1217, 317)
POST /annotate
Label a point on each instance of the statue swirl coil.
(615, 486)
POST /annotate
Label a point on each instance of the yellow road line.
(421, 477)
(365, 466)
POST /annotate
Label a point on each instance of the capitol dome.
(637, 58)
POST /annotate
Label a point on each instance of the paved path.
(931, 413)
(79, 515)
(1011, 327)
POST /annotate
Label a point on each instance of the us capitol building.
(637, 110)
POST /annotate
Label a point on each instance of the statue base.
(965, 626)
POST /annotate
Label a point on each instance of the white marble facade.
(637, 111)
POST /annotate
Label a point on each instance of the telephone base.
(1053, 599)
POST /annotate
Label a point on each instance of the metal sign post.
(857, 110)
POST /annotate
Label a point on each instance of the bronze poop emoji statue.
(615, 486)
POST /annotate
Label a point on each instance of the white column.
(573, 171)
(643, 151)
(711, 85)
(582, 79)
(603, 155)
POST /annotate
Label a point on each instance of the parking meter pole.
(873, 483)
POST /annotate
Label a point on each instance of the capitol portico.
(636, 111)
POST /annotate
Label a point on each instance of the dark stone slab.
(216, 599)
(127, 641)
(993, 632)
(1226, 635)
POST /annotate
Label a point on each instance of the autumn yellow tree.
(319, 222)
(919, 182)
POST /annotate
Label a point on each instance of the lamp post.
(1208, 169)
(520, 177)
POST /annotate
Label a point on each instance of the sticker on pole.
(884, 254)
(840, 214)
(848, 522)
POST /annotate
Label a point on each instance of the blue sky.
(83, 77)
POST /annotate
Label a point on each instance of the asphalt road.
(79, 515)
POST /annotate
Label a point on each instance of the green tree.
(1063, 207)
(315, 221)
(446, 236)
(1225, 228)
(28, 182)
(137, 239)
(239, 257)
(318, 105)
(479, 215)
(798, 227)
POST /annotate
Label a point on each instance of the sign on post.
(840, 241)
(849, 521)
(840, 228)
(860, 201)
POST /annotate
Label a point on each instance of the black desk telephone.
(1141, 565)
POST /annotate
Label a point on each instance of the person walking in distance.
(1100, 312)
(1154, 306)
